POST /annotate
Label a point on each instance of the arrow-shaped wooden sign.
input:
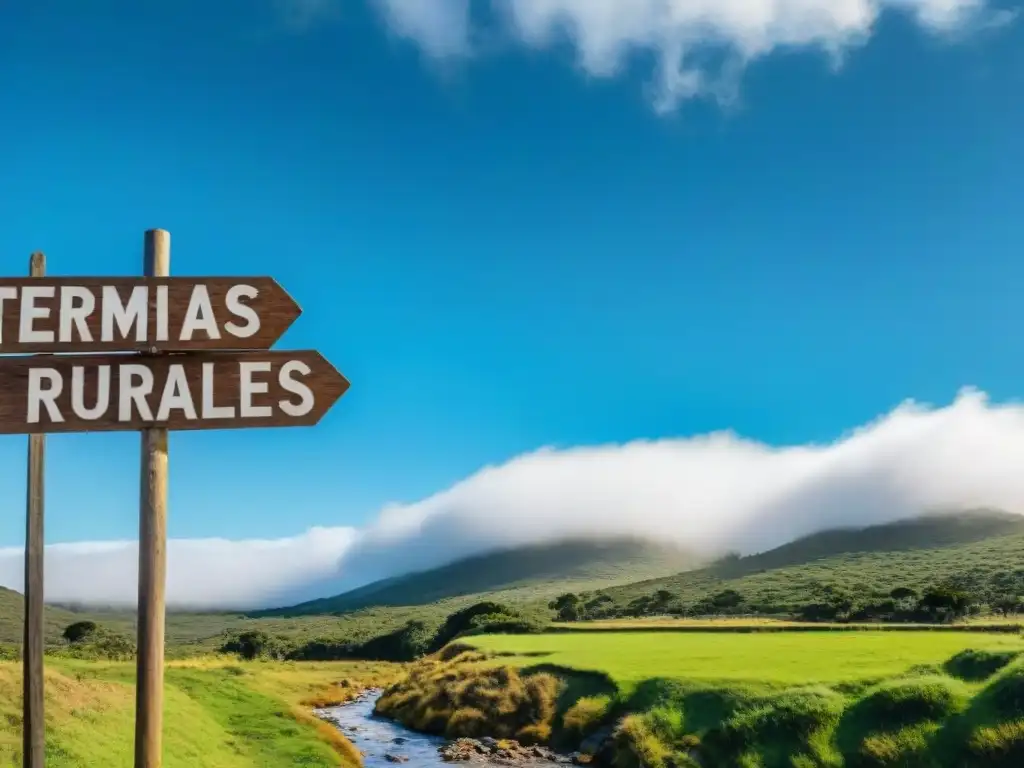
(118, 314)
(220, 390)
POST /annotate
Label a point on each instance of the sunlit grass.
(218, 713)
(791, 658)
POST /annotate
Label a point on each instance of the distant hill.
(12, 617)
(972, 547)
(520, 574)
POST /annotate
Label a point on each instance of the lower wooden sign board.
(219, 390)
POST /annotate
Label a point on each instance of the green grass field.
(799, 658)
(218, 714)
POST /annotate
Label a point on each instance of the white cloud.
(712, 493)
(201, 573)
(679, 34)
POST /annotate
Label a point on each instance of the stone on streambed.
(505, 751)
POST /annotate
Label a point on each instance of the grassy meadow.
(750, 700)
(218, 713)
(792, 658)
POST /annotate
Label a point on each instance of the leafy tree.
(945, 601)
(1008, 605)
(567, 607)
(404, 644)
(79, 631)
(663, 597)
(728, 598)
(705, 607)
(249, 645)
(599, 606)
(903, 593)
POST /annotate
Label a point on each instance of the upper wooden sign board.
(136, 314)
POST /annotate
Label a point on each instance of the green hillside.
(521, 574)
(981, 551)
(12, 616)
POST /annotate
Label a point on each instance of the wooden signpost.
(202, 362)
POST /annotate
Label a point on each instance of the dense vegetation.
(904, 572)
(961, 711)
(405, 643)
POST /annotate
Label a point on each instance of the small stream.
(385, 743)
(376, 737)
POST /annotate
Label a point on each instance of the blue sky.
(505, 243)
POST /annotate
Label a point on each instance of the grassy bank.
(217, 714)
(916, 700)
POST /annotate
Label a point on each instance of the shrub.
(404, 644)
(974, 665)
(909, 702)
(441, 698)
(79, 631)
(789, 721)
(586, 715)
(904, 747)
(894, 723)
(461, 621)
(999, 745)
(637, 746)
(248, 645)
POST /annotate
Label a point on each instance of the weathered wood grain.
(275, 309)
(33, 713)
(327, 385)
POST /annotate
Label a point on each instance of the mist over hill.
(709, 494)
(621, 567)
(540, 570)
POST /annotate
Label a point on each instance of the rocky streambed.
(384, 742)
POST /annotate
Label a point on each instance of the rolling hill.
(974, 547)
(12, 613)
(979, 549)
(520, 574)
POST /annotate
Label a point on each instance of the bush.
(894, 723)
(586, 715)
(79, 631)
(459, 701)
(637, 746)
(974, 665)
(404, 644)
(107, 646)
(910, 702)
(252, 645)
(991, 733)
(461, 621)
(790, 722)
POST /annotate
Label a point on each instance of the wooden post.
(33, 728)
(149, 694)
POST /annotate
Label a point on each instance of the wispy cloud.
(682, 36)
(711, 493)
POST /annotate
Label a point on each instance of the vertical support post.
(149, 694)
(33, 727)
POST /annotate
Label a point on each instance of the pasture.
(777, 658)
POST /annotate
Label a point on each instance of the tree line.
(941, 603)
(406, 643)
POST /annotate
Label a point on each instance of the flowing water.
(379, 738)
